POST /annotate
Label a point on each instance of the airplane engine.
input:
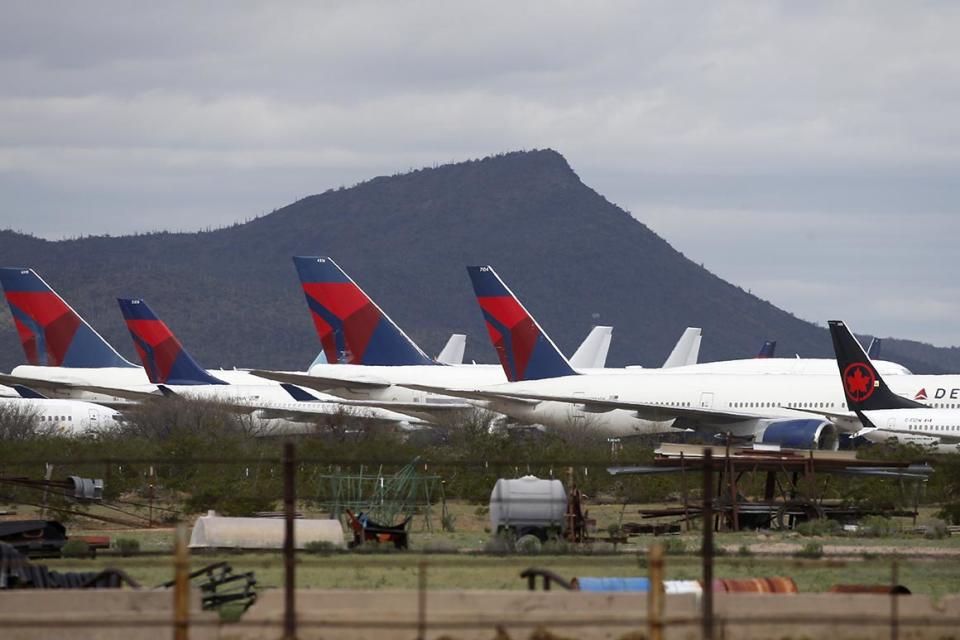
(800, 434)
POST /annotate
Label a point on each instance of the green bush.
(936, 530)
(440, 547)
(127, 546)
(75, 549)
(321, 547)
(877, 527)
(498, 545)
(819, 527)
(449, 523)
(812, 550)
(674, 546)
(744, 551)
(950, 513)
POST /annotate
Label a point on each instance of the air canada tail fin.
(686, 351)
(768, 349)
(51, 332)
(163, 357)
(352, 328)
(592, 352)
(452, 352)
(864, 388)
(525, 351)
(874, 349)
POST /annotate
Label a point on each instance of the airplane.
(66, 417)
(66, 356)
(770, 409)
(369, 356)
(886, 416)
(172, 371)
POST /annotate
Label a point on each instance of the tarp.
(212, 531)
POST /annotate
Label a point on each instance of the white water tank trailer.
(528, 505)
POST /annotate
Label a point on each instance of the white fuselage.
(794, 366)
(927, 427)
(69, 417)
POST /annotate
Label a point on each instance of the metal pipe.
(707, 549)
(289, 549)
(422, 600)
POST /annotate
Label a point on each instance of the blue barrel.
(612, 584)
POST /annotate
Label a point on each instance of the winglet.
(592, 352)
(51, 332)
(163, 357)
(768, 349)
(686, 351)
(863, 387)
(452, 352)
(298, 394)
(525, 350)
(27, 392)
(352, 328)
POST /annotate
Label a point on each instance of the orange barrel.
(883, 589)
(775, 584)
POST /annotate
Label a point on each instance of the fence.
(426, 613)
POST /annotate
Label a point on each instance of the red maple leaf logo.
(858, 381)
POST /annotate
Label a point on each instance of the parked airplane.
(768, 408)
(884, 414)
(174, 372)
(67, 417)
(768, 349)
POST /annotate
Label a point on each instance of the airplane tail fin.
(876, 344)
(352, 328)
(686, 351)
(51, 332)
(768, 349)
(525, 350)
(592, 352)
(865, 390)
(452, 352)
(163, 357)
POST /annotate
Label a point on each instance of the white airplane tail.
(452, 352)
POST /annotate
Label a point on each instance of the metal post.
(894, 601)
(655, 596)
(707, 550)
(422, 601)
(289, 559)
(686, 494)
(181, 584)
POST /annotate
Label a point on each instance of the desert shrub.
(321, 547)
(75, 549)
(127, 546)
(20, 422)
(440, 547)
(950, 513)
(498, 545)
(449, 522)
(557, 547)
(819, 527)
(744, 551)
(877, 527)
(372, 547)
(936, 530)
(811, 549)
(674, 546)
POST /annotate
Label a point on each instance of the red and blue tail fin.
(51, 332)
(525, 350)
(352, 328)
(164, 358)
(768, 349)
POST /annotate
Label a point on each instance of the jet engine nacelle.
(809, 433)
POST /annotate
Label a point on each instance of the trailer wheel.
(529, 545)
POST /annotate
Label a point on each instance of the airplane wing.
(62, 388)
(321, 383)
(644, 411)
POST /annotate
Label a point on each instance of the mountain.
(575, 259)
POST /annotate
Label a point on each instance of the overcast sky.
(806, 151)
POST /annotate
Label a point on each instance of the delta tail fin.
(592, 352)
(525, 350)
(352, 328)
(163, 357)
(51, 332)
(863, 387)
(686, 351)
(768, 349)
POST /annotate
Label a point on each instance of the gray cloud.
(793, 148)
